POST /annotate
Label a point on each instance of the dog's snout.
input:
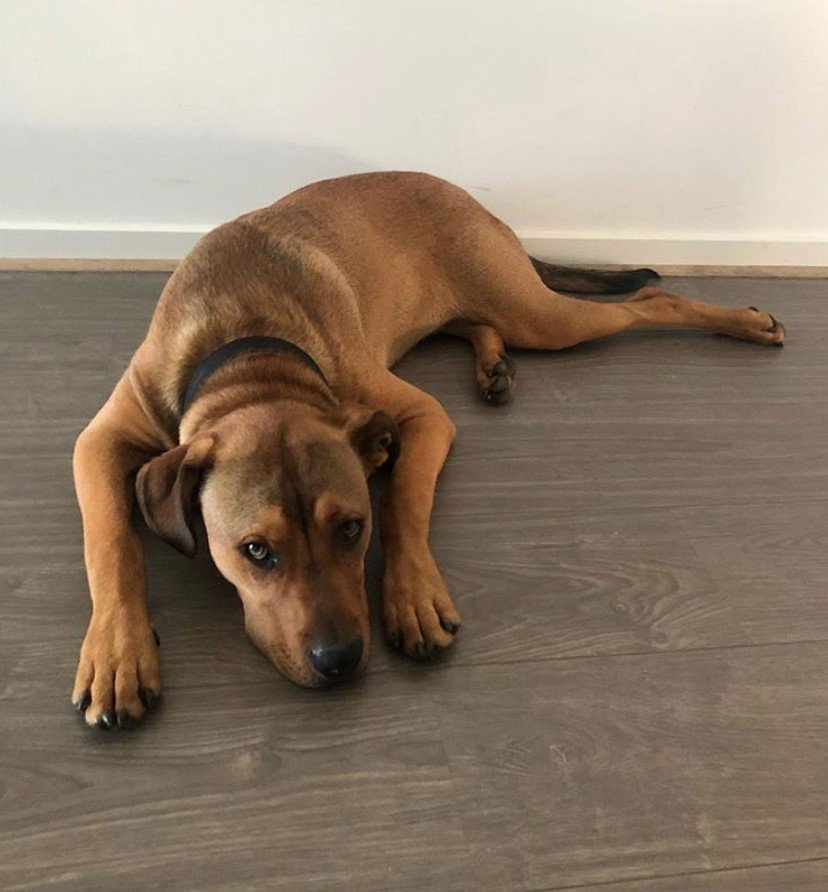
(336, 660)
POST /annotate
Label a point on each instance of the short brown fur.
(354, 271)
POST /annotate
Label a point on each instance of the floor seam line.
(686, 873)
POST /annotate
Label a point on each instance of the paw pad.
(501, 375)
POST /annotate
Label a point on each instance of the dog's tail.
(581, 280)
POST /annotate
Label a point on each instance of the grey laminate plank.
(588, 771)
(530, 588)
(771, 561)
(269, 787)
(489, 777)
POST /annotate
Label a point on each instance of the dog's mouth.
(312, 661)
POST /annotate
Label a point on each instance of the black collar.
(254, 344)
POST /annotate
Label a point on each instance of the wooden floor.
(638, 699)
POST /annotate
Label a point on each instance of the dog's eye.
(259, 554)
(349, 531)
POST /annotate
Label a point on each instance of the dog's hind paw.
(762, 328)
(498, 381)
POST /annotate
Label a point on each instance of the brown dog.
(263, 391)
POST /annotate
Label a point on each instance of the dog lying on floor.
(262, 393)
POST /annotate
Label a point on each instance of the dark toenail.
(449, 625)
(150, 698)
(83, 701)
(500, 368)
(419, 650)
(157, 638)
(755, 309)
(125, 720)
(498, 385)
(105, 721)
(498, 399)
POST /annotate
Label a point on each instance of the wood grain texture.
(638, 548)
(625, 767)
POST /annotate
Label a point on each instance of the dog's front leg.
(419, 615)
(118, 672)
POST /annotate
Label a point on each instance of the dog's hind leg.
(552, 321)
(510, 296)
(504, 288)
(494, 369)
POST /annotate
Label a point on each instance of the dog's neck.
(244, 377)
(254, 345)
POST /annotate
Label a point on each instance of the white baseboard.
(676, 251)
(98, 241)
(126, 242)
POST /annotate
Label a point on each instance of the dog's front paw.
(419, 616)
(119, 674)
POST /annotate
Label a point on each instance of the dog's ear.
(374, 435)
(167, 487)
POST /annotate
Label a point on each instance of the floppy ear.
(374, 435)
(166, 488)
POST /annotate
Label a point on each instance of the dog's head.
(284, 497)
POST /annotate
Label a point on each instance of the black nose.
(336, 660)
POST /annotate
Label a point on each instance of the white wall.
(641, 130)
